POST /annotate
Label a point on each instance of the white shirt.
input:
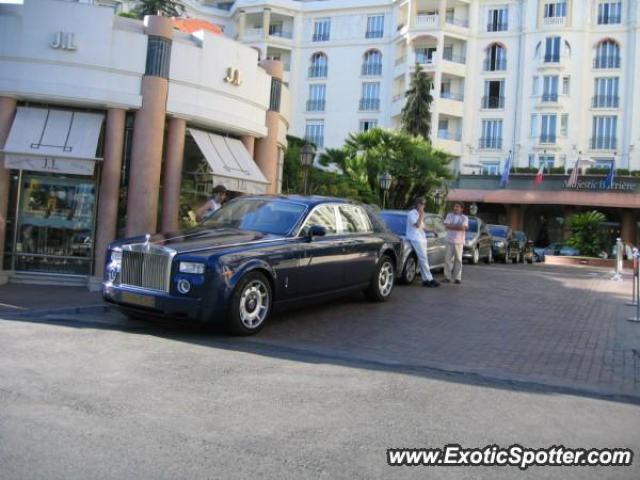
(456, 237)
(413, 232)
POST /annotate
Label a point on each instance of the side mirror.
(430, 234)
(316, 231)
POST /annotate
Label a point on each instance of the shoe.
(458, 282)
(430, 284)
(435, 283)
(446, 280)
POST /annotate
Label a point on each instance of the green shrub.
(622, 172)
(587, 234)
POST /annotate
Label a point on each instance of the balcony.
(554, 21)
(318, 71)
(551, 58)
(493, 102)
(605, 101)
(371, 69)
(497, 27)
(316, 105)
(369, 104)
(320, 37)
(316, 140)
(603, 143)
(495, 64)
(549, 98)
(458, 22)
(458, 97)
(424, 59)
(609, 19)
(548, 138)
(490, 143)
(427, 21)
(450, 57)
(400, 60)
(607, 61)
(374, 34)
(448, 135)
(277, 31)
(252, 33)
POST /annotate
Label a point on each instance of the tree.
(168, 8)
(416, 113)
(587, 233)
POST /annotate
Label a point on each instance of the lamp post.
(473, 209)
(437, 197)
(307, 155)
(385, 184)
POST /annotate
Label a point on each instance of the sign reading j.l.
(601, 185)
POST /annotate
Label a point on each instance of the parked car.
(254, 254)
(436, 233)
(567, 251)
(534, 254)
(553, 248)
(520, 243)
(477, 243)
(502, 242)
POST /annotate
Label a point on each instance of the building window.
(276, 94)
(493, 94)
(314, 133)
(322, 30)
(534, 130)
(490, 168)
(550, 88)
(555, 9)
(607, 55)
(370, 99)
(548, 128)
(158, 57)
(366, 125)
(603, 163)
(372, 63)
(604, 132)
(609, 12)
(496, 58)
(491, 134)
(547, 160)
(424, 56)
(552, 50)
(317, 98)
(564, 125)
(566, 85)
(606, 93)
(375, 26)
(319, 65)
(498, 20)
(535, 86)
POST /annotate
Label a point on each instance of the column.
(266, 22)
(174, 158)
(249, 143)
(442, 12)
(515, 217)
(7, 112)
(266, 149)
(242, 24)
(566, 229)
(107, 218)
(413, 13)
(628, 226)
(148, 131)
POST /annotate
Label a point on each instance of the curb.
(97, 308)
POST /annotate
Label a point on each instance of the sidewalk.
(31, 299)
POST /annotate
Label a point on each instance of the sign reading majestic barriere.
(601, 185)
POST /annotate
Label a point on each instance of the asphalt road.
(97, 396)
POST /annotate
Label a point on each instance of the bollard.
(617, 276)
(634, 285)
(636, 274)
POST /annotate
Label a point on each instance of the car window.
(397, 223)
(439, 226)
(428, 224)
(354, 219)
(325, 216)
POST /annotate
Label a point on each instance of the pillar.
(107, 218)
(174, 158)
(515, 217)
(628, 226)
(7, 112)
(266, 149)
(442, 12)
(413, 13)
(566, 229)
(266, 22)
(148, 131)
(249, 143)
(242, 24)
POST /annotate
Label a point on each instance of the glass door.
(55, 227)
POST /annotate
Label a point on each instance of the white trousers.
(420, 247)
(453, 261)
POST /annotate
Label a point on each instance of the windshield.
(395, 222)
(277, 217)
(519, 235)
(497, 230)
(473, 226)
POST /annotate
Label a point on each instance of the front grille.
(146, 270)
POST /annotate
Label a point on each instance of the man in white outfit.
(456, 224)
(415, 234)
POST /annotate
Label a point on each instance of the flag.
(573, 178)
(539, 175)
(608, 182)
(505, 173)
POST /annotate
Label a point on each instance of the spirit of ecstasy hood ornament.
(147, 244)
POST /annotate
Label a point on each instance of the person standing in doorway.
(456, 224)
(416, 235)
(213, 204)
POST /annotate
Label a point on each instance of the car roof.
(309, 200)
(405, 212)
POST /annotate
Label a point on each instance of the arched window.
(496, 58)
(319, 65)
(372, 63)
(607, 54)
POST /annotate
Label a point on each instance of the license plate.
(141, 300)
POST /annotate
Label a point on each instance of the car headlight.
(115, 258)
(499, 243)
(191, 267)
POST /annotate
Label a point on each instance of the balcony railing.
(374, 34)
(448, 135)
(372, 69)
(450, 57)
(548, 138)
(318, 71)
(492, 102)
(397, 97)
(426, 21)
(460, 22)
(276, 32)
(459, 97)
(607, 61)
(318, 141)
(315, 105)
(490, 143)
(605, 101)
(253, 32)
(400, 60)
(555, 21)
(549, 97)
(609, 19)
(424, 59)
(551, 58)
(367, 104)
(603, 143)
(497, 27)
(495, 64)
(320, 37)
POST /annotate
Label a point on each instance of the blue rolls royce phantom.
(254, 254)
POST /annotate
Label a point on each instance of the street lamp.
(385, 184)
(437, 196)
(307, 155)
(473, 209)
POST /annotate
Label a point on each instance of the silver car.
(436, 232)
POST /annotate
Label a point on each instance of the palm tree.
(167, 8)
(416, 114)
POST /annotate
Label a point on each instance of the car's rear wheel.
(475, 256)
(250, 305)
(409, 272)
(489, 258)
(382, 281)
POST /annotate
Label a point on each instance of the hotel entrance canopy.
(56, 141)
(230, 162)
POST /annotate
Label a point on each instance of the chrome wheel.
(254, 304)
(476, 256)
(410, 270)
(385, 278)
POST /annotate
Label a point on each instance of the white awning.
(59, 141)
(230, 162)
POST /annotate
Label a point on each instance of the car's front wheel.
(475, 256)
(409, 272)
(489, 258)
(382, 281)
(250, 305)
